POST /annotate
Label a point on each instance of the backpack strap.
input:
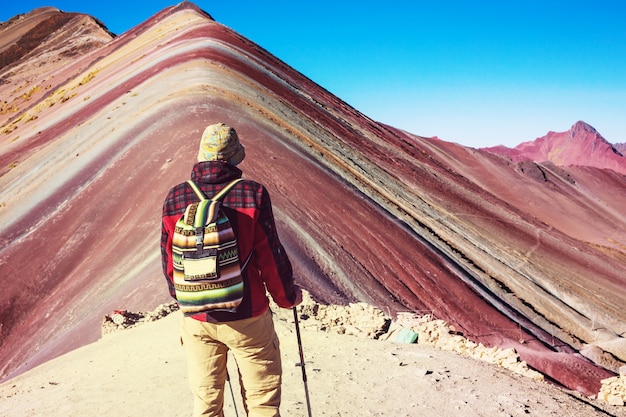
(226, 189)
(197, 190)
(217, 196)
(205, 207)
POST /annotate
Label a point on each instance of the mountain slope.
(524, 255)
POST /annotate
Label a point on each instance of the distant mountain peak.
(581, 145)
(582, 131)
(37, 31)
(581, 126)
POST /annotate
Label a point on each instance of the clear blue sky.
(477, 73)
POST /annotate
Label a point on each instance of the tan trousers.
(254, 345)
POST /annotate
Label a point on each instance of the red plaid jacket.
(249, 210)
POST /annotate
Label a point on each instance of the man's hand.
(298, 292)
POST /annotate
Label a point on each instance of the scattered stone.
(124, 319)
(364, 320)
(399, 334)
(613, 390)
(355, 319)
(439, 334)
(360, 319)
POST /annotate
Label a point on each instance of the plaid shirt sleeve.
(279, 275)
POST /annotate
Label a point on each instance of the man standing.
(248, 332)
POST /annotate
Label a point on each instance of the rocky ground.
(358, 362)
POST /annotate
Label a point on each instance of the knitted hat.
(220, 143)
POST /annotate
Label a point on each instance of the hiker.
(248, 332)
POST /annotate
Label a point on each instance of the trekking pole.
(301, 364)
(232, 393)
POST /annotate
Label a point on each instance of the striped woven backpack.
(207, 268)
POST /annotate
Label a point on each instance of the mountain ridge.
(581, 145)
